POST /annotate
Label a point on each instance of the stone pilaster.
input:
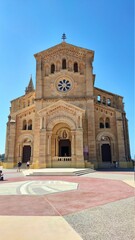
(35, 162)
(10, 148)
(89, 75)
(79, 148)
(42, 148)
(120, 137)
(39, 83)
(91, 130)
(48, 147)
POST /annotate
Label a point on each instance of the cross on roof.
(63, 37)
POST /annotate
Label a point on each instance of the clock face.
(64, 85)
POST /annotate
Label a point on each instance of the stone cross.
(63, 37)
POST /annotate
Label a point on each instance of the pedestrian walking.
(116, 164)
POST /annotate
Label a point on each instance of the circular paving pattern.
(36, 187)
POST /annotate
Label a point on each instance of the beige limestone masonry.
(66, 121)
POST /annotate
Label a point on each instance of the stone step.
(85, 171)
(51, 174)
(57, 172)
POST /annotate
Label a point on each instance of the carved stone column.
(73, 148)
(48, 159)
(79, 148)
(42, 148)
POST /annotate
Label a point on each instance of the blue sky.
(30, 26)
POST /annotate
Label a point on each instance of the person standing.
(28, 164)
(19, 166)
(1, 175)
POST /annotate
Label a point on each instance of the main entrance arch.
(65, 148)
(61, 140)
(61, 136)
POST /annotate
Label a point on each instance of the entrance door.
(26, 154)
(64, 148)
(106, 153)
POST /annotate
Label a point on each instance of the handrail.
(62, 158)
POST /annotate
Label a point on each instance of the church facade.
(66, 121)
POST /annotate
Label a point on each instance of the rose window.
(64, 85)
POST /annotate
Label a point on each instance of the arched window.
(109, 102)
(28, 102)
(52, 68)
(107, 123)
(30, 125)
(24, 125)
(99, 98)
(64, 64)
(104, 100)
(101, 123)
(75, 67)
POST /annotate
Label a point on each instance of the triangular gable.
(63, 46)
(60, 104)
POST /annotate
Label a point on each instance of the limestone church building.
(66, 121)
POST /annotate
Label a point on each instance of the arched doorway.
(65, 148)
(26, 153)
(106, 152)
(61, 141)
(106, 149)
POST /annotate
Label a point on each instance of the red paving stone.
(26, 206)
(91, 192)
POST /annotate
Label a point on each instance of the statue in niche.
(64, 135)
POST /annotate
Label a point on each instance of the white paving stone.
(36, 187)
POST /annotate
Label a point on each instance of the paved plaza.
(99, 205)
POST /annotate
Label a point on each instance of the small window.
(101, 123)
(99, 98)
(30, 125)
(107, 123)
(64, 64)
(52, 68)
(109, 102)
(75, 67)
(24, 125)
